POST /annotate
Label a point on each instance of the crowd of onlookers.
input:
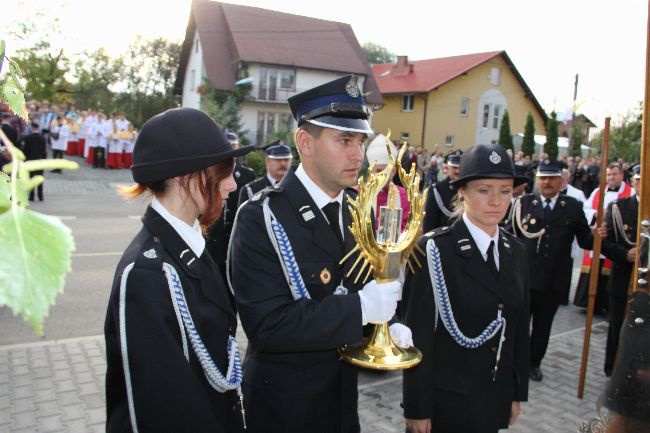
(584, 173)
(104, 140)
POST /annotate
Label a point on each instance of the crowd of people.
(103, 140)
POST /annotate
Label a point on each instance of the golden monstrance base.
(380, 353)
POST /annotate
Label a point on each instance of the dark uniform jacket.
(252, 188)
(170, 393)
(454, 385)
(34, 146)
(551, 264)
(616, 249)
(434, 217)
(294, 381)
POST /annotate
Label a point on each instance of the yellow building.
(453, 102)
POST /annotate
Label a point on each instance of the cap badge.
(150, 254)
(495, 158)
(237, 174)
(352, 88)
(325, 276)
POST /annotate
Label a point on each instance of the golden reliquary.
(384, 255)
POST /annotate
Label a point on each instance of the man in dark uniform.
(278, 161)
(35, 148)
(547, 223)
(294, 301)
(219, 234)
(619, 246)
(438, 206)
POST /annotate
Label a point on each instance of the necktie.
(547, 209)
(492, 264)
(331, 211)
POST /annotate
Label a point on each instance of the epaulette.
(150, 255)
(258, 197)
(437, 232)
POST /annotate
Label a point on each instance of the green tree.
(45, 67)
(528, 144)
(376, 54)
(147, 78)
(505, 136)
(224, 107)
(550, 147)
(624, 138)
(255, 161)
(95, 74)
(575, 140)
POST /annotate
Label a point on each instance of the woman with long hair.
(173, 363)
(467, 308)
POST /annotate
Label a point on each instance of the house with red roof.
(453, 102)
(279, 54)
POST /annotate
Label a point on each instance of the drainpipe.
(424, 118)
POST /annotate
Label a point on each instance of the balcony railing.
(265, 94)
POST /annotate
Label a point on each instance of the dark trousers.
(616, 313)
(39, 188)
(543, 306)
(99, 157)
(57, 154)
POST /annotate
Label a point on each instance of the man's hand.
(602, 230)
(379, 301)
(418, 425)
(401, 335)
(631, 255)
(514, 412)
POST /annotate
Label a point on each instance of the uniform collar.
(192, 236)
(273, 181)
(320, 197)
(482, 239)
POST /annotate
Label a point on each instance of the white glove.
(401, 335)
(379, 301)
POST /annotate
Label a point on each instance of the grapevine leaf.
(14, 97)
(5, 192)
(36, 258)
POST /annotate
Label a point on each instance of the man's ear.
(304, 142)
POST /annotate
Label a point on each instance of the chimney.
(402, 66)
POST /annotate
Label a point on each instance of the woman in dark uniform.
(467, 308)
(173, 361)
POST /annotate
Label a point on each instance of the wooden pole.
(595, 262)
(644, 183)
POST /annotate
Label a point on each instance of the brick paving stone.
(46, 408)
(50, 424)
(72, 412)
(76, 426)
(23, 420)
(96, 415)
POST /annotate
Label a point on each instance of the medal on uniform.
(325, 276)
(384, 255)
(533, 221)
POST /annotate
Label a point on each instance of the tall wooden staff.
(644, 183)
(595, 262)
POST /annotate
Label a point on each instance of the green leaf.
(35, 260)
(5, 192)
(2, 53)
(14, 97)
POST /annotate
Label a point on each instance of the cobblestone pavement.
(58, 385)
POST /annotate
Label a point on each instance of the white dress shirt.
(190, 234)
(320, 197)
(482, 239)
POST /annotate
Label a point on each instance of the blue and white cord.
(233, 378)
(443, 305)
(282, 246)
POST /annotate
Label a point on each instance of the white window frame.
(196, 46)
(464, 106)
(495, 76)
(486, 115)
(193, 79)
(496, 116)
(449, 140)
(408, 99)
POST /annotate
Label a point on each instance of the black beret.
(177, 142)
